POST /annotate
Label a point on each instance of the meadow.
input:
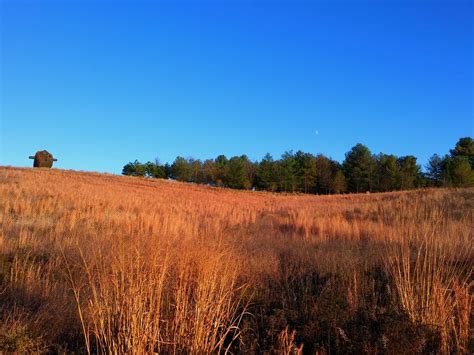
(97, 263)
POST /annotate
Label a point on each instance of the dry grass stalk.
(140, 265)
(286, 343)
(431, 276)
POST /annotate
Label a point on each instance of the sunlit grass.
(101, 263)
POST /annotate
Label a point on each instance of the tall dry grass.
(432, 271)
(100, 263)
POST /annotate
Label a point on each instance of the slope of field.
(102, 263)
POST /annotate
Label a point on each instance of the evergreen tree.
(305, 172)
(154, 170)
(324, 174)
(359, 167)
(388, 173)
(288, 172)
(180, 169)
(250, 171)
(167, 170)
(195, 171)
(236, 177)
(410, 172)
(129, 169)
(265, 174)
(220, 170)
(435, 170)
(134, 169)
(465, 148)
(459, 171)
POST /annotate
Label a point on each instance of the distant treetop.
(361, 171)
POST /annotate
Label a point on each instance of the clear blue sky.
(102, 83)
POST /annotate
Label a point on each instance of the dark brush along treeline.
(361, 171)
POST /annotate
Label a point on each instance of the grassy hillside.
(94, 262)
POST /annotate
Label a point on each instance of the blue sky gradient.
(102, 83)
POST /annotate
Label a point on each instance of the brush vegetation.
(361, 171)
(106, 264)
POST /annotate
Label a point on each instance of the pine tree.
(324, 174)
(236, 177)
(409, 172)
(265, 174)
(388, 173)
(359, 167)
(180, 169)
(435, 170)
(464, 147)
(460, 172)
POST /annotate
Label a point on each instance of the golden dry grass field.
(110, 264)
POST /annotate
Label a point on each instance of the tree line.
(361, 171)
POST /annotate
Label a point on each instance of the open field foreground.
(103, 263)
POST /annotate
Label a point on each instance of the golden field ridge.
(103, 263)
